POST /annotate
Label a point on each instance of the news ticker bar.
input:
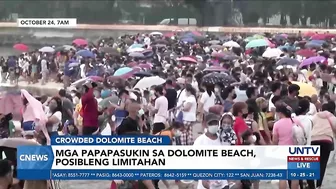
(261, 174)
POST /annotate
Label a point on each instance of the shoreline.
(11, 34)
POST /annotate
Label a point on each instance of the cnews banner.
(150, 157)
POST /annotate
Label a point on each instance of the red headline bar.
(303, 158)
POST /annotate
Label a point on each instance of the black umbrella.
(214, 78)
(287, 61)
(143, 74)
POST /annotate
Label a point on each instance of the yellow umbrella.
(305, 89)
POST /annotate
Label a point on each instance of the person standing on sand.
(44, 71)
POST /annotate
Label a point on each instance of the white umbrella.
(272, 53)
(231, 44)
(156, 33)
(137, 49)
(47, 49)
(147, 82)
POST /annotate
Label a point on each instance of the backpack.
(299, 134)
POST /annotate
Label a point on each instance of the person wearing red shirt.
(239, 110)
(89, 109)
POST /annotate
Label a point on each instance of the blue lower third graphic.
(34, 157)
(153, 174)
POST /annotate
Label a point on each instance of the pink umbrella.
(147, 66)
(187, 59)
(270, 44)
(132, 64)
(80, 42)
(21, 47)
(96, 78)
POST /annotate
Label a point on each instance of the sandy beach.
(328, 183)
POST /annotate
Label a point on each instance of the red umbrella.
(309, 34)
(305, 53)
(80, 42)
(169, 34)
(21, 47)
(187, 59)
(318, 37)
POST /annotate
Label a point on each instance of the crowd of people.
(263, 89)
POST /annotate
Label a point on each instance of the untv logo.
(303, 150)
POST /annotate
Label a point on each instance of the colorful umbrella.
(122, 71)
(148, 82)
(257, 43)
(214, 78)
(215, 69)
(231, 44)
(21, 47)
(85, 53)
(305, 53)
(146, 66)
(287, 47)
(47, 49)
(272, 53)
(137, 49)
(312, 44)
(80, 42)
(214, 42)
(309, 34)
(156, 33)
(287, 61)
(188, 40)
(136, 46)
(187, 59)
(136, 55)
(318, 37)
(216, 47)
(311, 60)
(306, 89)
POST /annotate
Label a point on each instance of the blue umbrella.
(85, 53)
(287, 47)
(317, 41)
(313, 44)
(136, 54)
(136, 46)
(122, 71)
(188, 40)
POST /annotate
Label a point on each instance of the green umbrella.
(257, 43)
(106, 102)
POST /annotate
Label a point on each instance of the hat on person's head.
(212, 119)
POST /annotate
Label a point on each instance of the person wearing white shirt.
(210, 138)
(304, 119)
(276, 89)
(160, 110)
(44, 71)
